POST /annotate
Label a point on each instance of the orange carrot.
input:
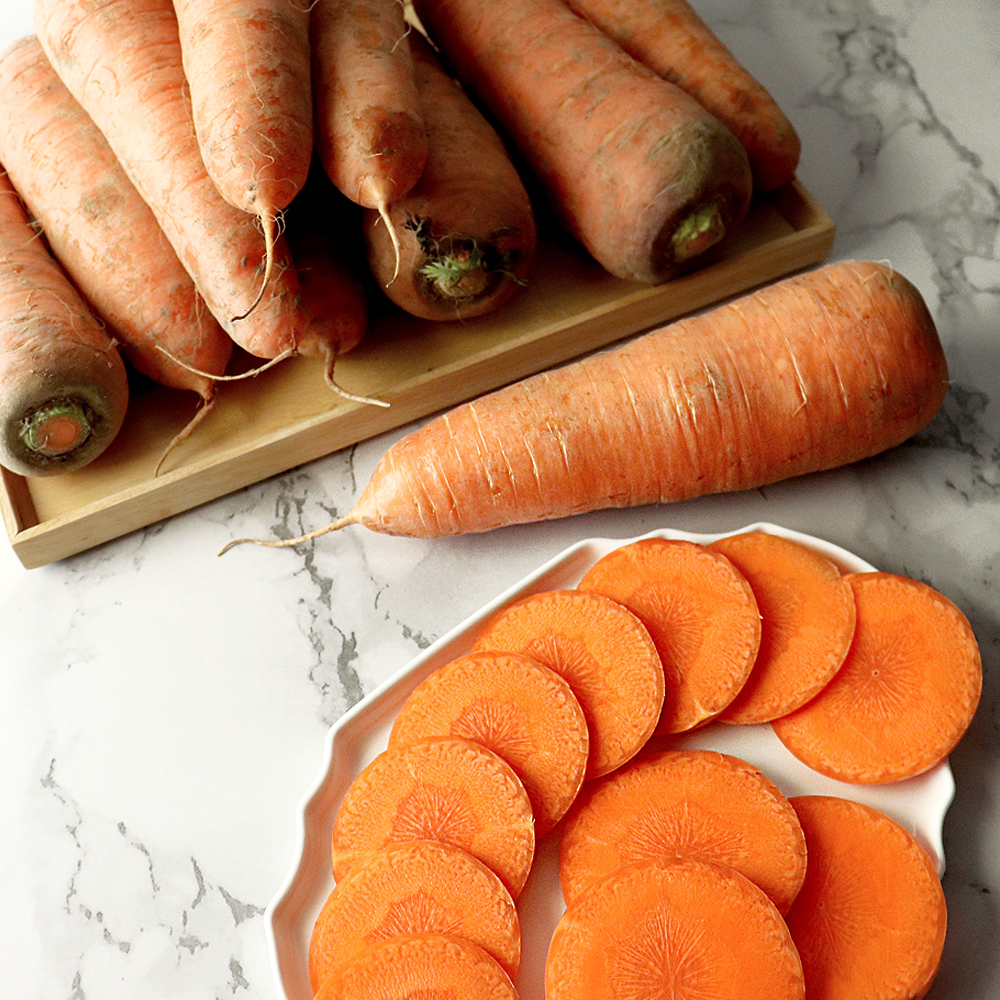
(905, 695)
(635, 168)
(605, 654)
(815, 371)
(702, 616)
(417, 887)
(686, 803)
(518, 708)
(670, 38)
(466, 231)
(63, 385)
(451, 790)
(871, 916)
(673, 929)
(807, 623)
(420, 967)
(121, 60)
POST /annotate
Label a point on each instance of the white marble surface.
(162, 710)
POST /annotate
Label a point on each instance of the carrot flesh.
(871, 917)
(515, 706)
(701, 614)
(699, 804)
(807, 622)
(604, 653)
(905, 694)
(451, 790)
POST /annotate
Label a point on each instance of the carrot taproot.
(522, 710)
(446, 789)
(905, 694)
(700, 804)
(420, 967)
(462, 241)
(604, 653)
(807, 623)
(701, 614)
(416, 887)
(871, 917)
(672, 928)
(121, 61)
(63, 385)
(639, 172)
(812, 372)
(672, 39)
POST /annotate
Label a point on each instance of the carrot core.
(702, 229)
(57, 428)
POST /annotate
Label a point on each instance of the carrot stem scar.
(57, 428)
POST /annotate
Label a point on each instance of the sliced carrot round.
(701, 614)
(691, 803)
(807, 623)
(605, 654)
(517, 707)
(672, 928)
(870, 918)
(419, 967)
(905, 695)
(416, 887)
(451, 790)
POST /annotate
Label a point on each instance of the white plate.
(919, 804)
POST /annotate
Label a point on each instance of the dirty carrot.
(688, 803)
(419, 886)
(63, 384)
(672, 928)
(121, 60)
(702, 616)
(871, 916)
(905, 694)
(669, 37)
(446, 789)
(807, 623)
(639, 172)
(604, 653)
(461, 242)
(515, 706)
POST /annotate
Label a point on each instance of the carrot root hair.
(287, 353)
(270, 226)
(328, 377)
(185, 432)
(286, 543)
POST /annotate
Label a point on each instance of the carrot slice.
(451, 790)
(605, 654)
(672, 929)
(807, 623)
(701, 614)
(906, 692)
(518, 708)
(417, 887)
(692, 803)
(870, 919)
(420, 967)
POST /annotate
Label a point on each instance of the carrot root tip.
(285, 543)
(328, 376)
(269, 225)
(185, 432)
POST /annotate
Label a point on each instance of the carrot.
(466, 231)
(604, 653)
(870, 919)
(807, 623)
(635, 168)
(702, 616)
(451, 790)
(515, 706)
(687, 803)
(63, 385)
(674, 929)
(420, 886)
(420, 967)
(905, 694)
(670, 38)
(812, 372)
(121, 60)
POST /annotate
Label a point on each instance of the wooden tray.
(287, 416)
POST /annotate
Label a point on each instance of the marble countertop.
(163, 710)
